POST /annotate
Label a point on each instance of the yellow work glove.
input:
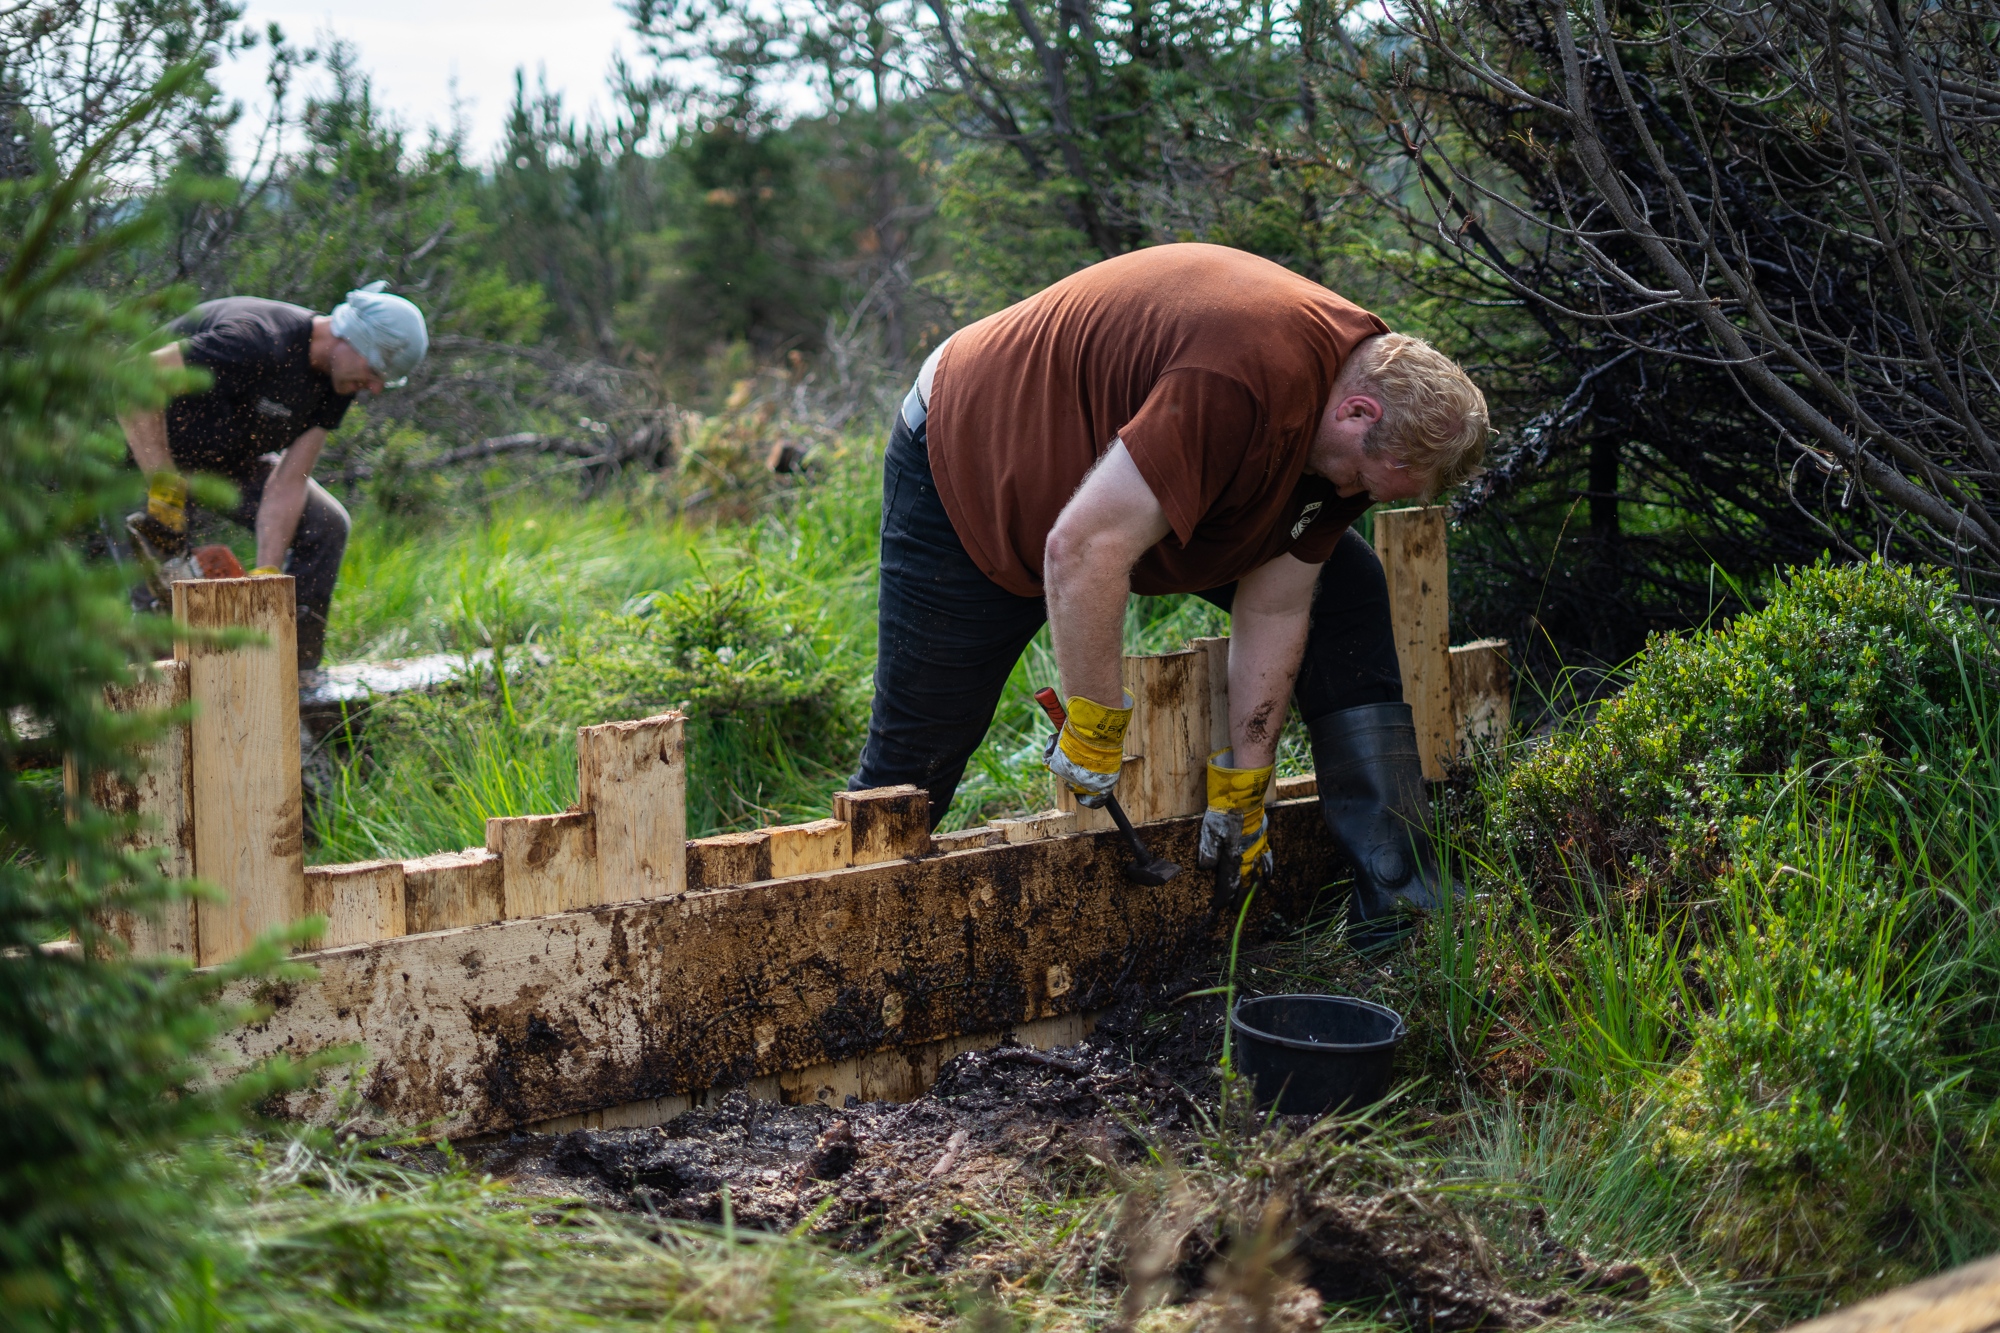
(265, 571)
(1089, 751)
(1233, 833)
(166, 500)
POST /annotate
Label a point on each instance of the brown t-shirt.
(1214, 367)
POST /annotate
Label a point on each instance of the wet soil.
(943, 1184)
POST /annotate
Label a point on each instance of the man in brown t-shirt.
(1184, 419)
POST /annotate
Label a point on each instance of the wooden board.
(1217, 710)
(1482, 694)
(548, 863)
(1036, 828)
(1411, 544)
(632, 778)
(361, 901)
(161, 796)
(885, 823)
(492, 1027)
(453, 889)
(1169, 735)
(1964, 1300)
(249, 831)
(808, 849)
(729, 858)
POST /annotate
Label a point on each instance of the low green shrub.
(1845, 663)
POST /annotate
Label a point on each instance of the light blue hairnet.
(387, 330)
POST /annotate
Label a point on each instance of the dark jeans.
(950, 636)
(314, 558)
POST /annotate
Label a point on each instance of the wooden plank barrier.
(1411, 545)
(1964, 1300)
(162, 796)
(498, 1026)
(249, 812)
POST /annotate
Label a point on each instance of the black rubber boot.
(1371, 791)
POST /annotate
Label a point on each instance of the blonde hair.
(1433, 416)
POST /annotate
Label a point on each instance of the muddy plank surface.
(487, 1028)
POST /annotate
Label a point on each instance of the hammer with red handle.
(1144, 868)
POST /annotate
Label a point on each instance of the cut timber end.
(362, 901)
(161, 798)
(809, 849)
(1291, 789)
(548, 863)
(249, 834)
(967, 839)
(1169, 734)
(453, 889)
(1482, 691)
(632, 778)
(1036, 828)
(885, 823)
(1415, 562)
(729, 858)
(1964, 1300)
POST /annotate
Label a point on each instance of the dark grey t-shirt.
(266, 391)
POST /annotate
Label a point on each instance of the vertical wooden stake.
(362, 901)
(161, 796)
(450, 889)
(244, 760)
(1170, 734)
(809, 849)
(632, 778)
(1217, 709)
(1411, 543)
(1482, 692)
(548, 863)
(885, 823)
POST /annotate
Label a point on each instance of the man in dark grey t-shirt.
(282, 377)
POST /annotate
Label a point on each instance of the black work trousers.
(950, 636)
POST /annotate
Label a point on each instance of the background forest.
(1762, 341)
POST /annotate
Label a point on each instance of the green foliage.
(1848, 664)
(97, 1051)
(1740, 924)
(325, 1236)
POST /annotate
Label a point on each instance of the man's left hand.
(1234, 833)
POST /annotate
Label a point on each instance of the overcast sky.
(415, 48)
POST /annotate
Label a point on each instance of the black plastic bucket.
(1315, 1054)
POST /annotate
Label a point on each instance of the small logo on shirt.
(267, 408)
(1305, 519)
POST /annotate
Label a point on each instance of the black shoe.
(1371, 791)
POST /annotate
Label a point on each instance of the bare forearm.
(1264, 655)
(146, 434)
(278, 517)
(1086, 597)
(1268, 621)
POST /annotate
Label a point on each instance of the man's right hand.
(1089, 752)
(161, 530)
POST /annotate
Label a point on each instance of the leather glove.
(1089, 751)
(1233, 831)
